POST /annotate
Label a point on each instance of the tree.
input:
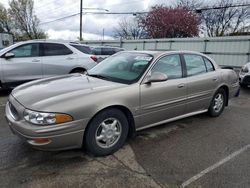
(190, 4)
(129, 29)
(24, 20)
(226, 20)
(4, 20)
(168, 22)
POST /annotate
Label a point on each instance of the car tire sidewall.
(211, 110)
(89, 138)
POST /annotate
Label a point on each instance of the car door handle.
(181, 85)
(215, 79)
(69, 58)
(35, 60)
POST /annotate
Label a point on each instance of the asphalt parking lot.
(194, 152)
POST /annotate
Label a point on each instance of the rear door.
(164, 100)
(24, 66)
(202, 80)
(57, 59)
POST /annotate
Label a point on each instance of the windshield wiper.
(99, 76)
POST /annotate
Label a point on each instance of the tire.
(243, 85)
(79, 70)
(218, 103)
(106, 133)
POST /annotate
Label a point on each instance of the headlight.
(244, 69)
(43, 118)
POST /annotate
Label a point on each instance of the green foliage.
(21, 21)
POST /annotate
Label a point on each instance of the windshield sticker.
(143, 58)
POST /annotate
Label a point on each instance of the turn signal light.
(62, 118)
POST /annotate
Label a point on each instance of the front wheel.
(218, 103)
(107, 132)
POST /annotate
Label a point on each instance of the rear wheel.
(218, 103)
(107, 132)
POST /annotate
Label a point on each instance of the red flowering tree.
(167, 22)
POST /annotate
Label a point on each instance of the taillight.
(94, 58)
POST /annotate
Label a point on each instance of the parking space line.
(216, 165)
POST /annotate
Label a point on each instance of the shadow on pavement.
(5, 92)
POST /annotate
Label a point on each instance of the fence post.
(170, 45)
(143, 46)
(156, 44)
(205, 46)
(121, 43)
(249, 51)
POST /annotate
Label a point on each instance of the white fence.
(228, 51)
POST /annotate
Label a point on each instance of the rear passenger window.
(194, 64)
(209, 65)
(53, 49)
(169, 65)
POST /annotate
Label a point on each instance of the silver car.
(126, 92)
(244, 75)
(31, 60)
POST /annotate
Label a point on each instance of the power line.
(72, 15)
(135, 13)
(59, 19)
(221, 7)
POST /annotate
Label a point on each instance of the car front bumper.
(244, 78)
(54, 137)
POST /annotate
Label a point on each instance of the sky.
(93, 25)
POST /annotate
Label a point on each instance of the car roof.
(53, 41)
(160, 52)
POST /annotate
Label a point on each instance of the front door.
(163, 100)
(24, 66)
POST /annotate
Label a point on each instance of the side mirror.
(156, 77)
(9, 55)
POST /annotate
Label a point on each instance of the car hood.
(35, 94)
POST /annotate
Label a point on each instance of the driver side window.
(28, 50)
(169, 65)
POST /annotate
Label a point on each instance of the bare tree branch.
(129, 29)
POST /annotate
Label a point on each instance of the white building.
(6, 39)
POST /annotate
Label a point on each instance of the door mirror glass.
(9, 55)
(157, 77)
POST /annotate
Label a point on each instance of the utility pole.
(80, 20)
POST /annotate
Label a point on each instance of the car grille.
(246, 80)
(13, 112)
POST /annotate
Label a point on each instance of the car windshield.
(125, 67)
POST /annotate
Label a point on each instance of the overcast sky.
(93, 25)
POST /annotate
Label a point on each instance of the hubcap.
(218, 102)
(108, 133)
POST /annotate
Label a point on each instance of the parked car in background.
(102, 52)
(126, 92)
(31, 60)
(244, 75)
